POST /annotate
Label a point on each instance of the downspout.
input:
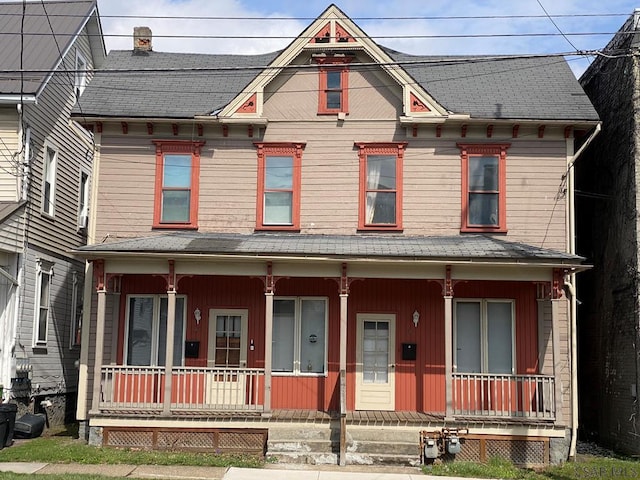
(570, 284)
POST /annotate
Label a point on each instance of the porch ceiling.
(440, 249)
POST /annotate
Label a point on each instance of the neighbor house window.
(484, 336)
(83, 201)
(299, 335)
(49, 181)
(177, 184)
(484, 188)
(81, 75)
(333, 84)
(380, 186)
(146, 330)
(278, 203)
(77, 305)
(44, 274)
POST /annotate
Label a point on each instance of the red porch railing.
(193, 388)
(489, 395)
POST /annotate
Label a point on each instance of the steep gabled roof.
(143, 85)
(50, 28)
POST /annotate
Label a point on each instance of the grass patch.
(586, 467)
(60, 448)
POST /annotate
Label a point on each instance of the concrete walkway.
(269, 472)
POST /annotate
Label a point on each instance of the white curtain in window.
(374, 170)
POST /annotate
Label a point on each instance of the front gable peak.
(332, 35)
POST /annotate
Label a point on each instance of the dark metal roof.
(42, 43)
(451, 248)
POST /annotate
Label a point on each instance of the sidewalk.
(270, 472)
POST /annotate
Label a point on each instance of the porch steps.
(320, 444)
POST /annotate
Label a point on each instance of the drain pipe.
(570, 284)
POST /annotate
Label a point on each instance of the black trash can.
(3, 429)
(10, 410)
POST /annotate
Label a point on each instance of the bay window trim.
(177, 147)
(498, 150)
(365, 149)
(283, 149)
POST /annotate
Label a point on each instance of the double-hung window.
(299, 335)
(49, 181)
(484, 188)
(333, 85)
(44, 275)
(484, 336)
(83, 201)
(279, 177)
(177, 184)
(80, 81)
(77, 305)
(146, 330)
(380, 186)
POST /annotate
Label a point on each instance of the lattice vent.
(123, 438)
(176, 440)
(520, 452)
(470, 451)
(241, 441)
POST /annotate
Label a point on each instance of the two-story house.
(334, 246)
(48, 52)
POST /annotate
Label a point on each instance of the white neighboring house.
(45, 170)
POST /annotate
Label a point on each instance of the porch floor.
(360, 417)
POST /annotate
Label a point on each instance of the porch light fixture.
(197, 314)
(416, 318)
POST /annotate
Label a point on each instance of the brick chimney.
(141, 39)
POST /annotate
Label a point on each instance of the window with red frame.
(177, 184)
(484, 188)
(278, 205)
(380, 185)
(333, 85)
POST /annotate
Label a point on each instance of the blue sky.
(284, 19)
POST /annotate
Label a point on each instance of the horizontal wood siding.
(330, 176)
(12, 232)
(9, 149)
(54, 369)
(50, 126)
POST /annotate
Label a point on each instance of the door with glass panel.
(227, 353)
(375, 362)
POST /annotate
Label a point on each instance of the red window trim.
(393, 148)
(177, 147)
(280, 149)
(333, 64)
(475, 150)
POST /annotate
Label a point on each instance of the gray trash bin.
(10, 410)
(3, 429)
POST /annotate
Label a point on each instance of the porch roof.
(467, 248)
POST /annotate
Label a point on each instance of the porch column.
(344, 296)
(448, 356)
(100, 321)
(268, 337)
(448, 343)
(557, 367)
(168, 366)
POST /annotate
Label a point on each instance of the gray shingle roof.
(537, 88)
(40, 44)
(467, 247)
(157, 93)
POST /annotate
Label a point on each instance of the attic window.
(333, 84)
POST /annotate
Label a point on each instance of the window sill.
(380, 228)
(278, 228)
(486, 229)
(174, 226)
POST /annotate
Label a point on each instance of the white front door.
(227, 352)
(375, 361)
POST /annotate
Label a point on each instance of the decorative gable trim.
(344, 35)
